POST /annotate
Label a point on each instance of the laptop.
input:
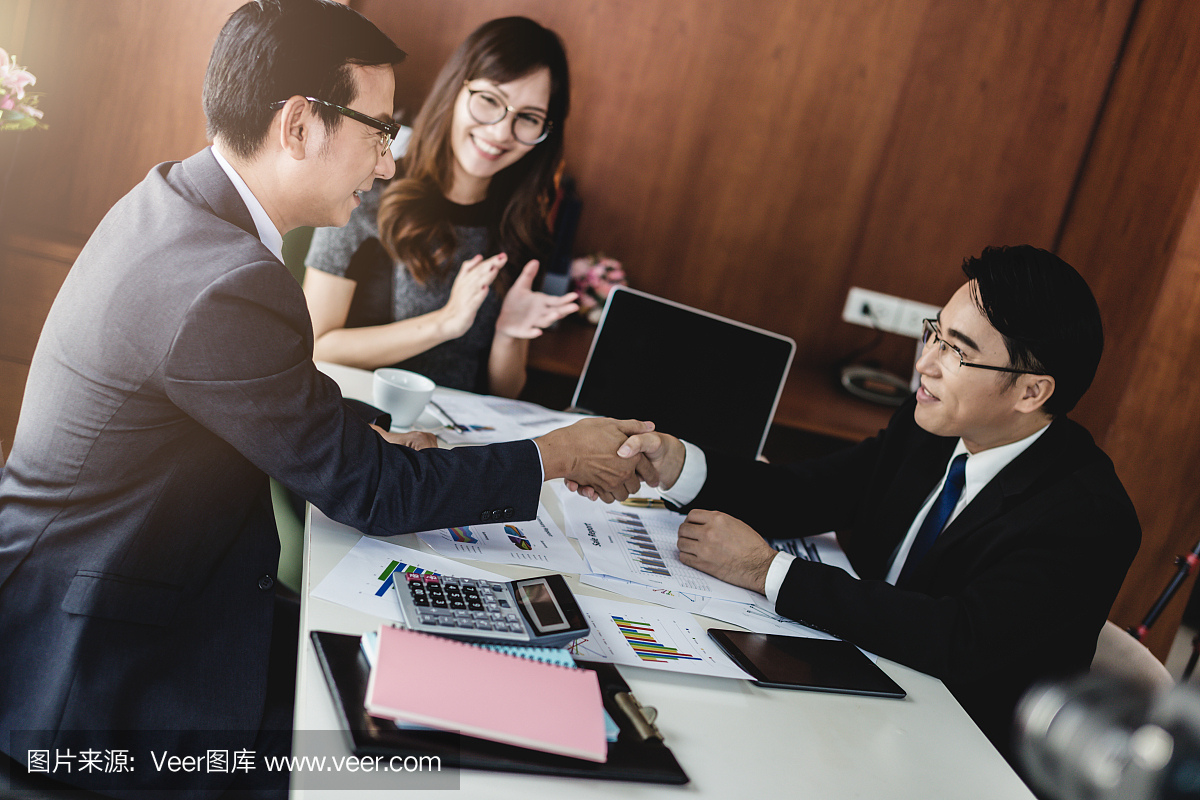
(705, 378)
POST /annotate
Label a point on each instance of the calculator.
(540, 612)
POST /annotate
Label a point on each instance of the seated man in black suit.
(1005, 577)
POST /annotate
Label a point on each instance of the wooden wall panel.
(1134, 231)
(1153, 439)
(1137, 189)
(12, 386)
(759, 163)
(29, 281)
(121, 83)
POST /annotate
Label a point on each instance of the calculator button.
(412, 577)
(421, 601)
(438, 601)
(483, 625)
(516, 628)
(495, 618)
(504, 603)
(430, 578)
(478, 615)
(465, 623)
(458, 605)
(511, 617)
(429, 619)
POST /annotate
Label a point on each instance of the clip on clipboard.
(638, 754)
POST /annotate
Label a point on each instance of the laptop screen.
(698, 376)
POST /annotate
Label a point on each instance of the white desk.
(732, 738)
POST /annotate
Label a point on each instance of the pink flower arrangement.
(18, 109)
(593, 277)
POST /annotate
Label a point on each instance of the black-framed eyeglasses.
(488, 108)
(387, 130)
(929, 330)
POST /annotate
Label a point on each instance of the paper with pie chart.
(533, 543)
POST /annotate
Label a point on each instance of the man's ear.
(1036, 390)
(292, 126)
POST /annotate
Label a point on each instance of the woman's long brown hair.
(410, 225)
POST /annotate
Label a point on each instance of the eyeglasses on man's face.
(387, 130)
(951, 357)
(488, 108)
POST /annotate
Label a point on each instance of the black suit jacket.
(1016, 588)
(137, 540)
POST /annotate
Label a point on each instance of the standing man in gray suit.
(174, 374)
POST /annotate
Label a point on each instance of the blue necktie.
(935, 520)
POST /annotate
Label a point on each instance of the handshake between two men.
(608, 459)
(710, 541)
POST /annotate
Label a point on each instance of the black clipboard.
(637, 755)
(794, 662)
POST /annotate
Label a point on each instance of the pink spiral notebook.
(453, 685)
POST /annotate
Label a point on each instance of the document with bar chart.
(534, 543)
(363, 579)
(651, 637)
(639, 545)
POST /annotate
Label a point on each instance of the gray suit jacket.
(137, 539)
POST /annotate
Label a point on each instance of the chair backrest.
(1120, 655)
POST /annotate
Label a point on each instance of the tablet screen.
(793, 662)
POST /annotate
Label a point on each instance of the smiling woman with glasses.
(434, 272)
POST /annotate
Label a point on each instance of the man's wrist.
(776, 573)
(691, 478)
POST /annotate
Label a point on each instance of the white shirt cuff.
(691, 477)
(775, 575)
(541, 463)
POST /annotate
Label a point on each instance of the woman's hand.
(467, 294)
(526, 312)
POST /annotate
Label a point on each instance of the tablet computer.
(793, 662)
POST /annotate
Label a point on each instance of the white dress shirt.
(980, 469)
(268, 234)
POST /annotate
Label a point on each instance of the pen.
(644, 502)
(447, 418)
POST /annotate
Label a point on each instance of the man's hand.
(663, 457)
(417, 440)
(661, 462)
(726, 548)
(586, 454)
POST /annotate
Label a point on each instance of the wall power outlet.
(883, 311)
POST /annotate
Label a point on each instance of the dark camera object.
(1096, 738)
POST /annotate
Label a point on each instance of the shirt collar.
(986, 464)
(268, 234)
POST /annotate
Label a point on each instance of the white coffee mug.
(402, 394)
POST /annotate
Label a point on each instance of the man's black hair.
(1047, 315)
(270, 50)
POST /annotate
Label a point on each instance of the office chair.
(1120, 655)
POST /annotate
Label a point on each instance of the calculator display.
(544, 610)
